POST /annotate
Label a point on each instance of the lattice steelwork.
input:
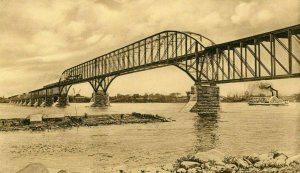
(162, 49)
(271, 55)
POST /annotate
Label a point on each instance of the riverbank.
(216, 161)
(41, 122)
(212, 161)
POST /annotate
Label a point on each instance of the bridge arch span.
(161, 49)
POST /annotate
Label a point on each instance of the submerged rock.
(34, 168)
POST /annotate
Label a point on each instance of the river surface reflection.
(238, 129)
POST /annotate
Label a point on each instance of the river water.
(238, 129)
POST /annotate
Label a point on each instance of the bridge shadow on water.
(206, 127)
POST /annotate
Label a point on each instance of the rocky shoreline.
(212, 161)
(41, 122)
(215, 161)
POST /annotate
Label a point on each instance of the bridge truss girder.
(162, 49)
(271, 55)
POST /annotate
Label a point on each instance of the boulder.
(265, 157)
(207, 165)
(253, 158)
(220, 163)
(270, 163)
(230, 168)
(266, 170)
(34, 168)
(192, 170)
(189, 164)
(273, 170)
(259, 164)
(210, 155)
(248, 162)
(295, 159)
(230, 160)
(280, 162)
(213, 168)
(241, 163)
(220, 168)
(281, 156)
(181, 170)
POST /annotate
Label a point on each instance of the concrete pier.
(100, 99)
(208, 99)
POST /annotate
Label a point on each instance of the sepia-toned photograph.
(149, 86)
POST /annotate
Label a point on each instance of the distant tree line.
(3, 100)
(146, 98)
(297, 97)
(239, 97)
(79, 99)
(236, 97)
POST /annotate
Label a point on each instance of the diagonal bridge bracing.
(270, 55)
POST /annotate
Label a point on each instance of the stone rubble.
(214, 161)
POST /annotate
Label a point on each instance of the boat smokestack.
(269, 86)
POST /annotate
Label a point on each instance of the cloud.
(243, 12)
(42, 38)
(253, 16)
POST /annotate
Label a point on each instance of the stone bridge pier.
(207, 99)
(63, 100)
(25, 102)
(100, 98)
(49, 100)
(38, 101)
(31, 102)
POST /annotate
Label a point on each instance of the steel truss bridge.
(270, 55)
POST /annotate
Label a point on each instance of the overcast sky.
(41, 38)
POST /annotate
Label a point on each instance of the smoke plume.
(264, 85)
